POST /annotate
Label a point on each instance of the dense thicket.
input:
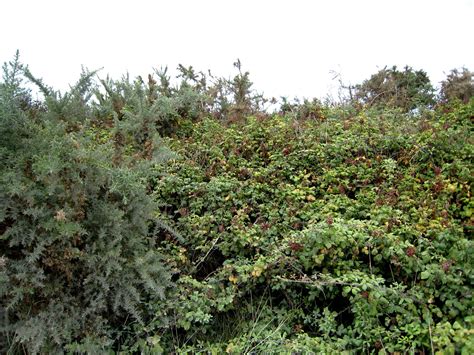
(146, 216)
(349, 233)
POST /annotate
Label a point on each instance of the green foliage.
(352, 234)
(305, 110)
(162, 218)
(459, 84)
(407, 89)
(78, 260)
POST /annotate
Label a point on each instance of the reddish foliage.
(446, 265)
(295, 246)
(411, 251)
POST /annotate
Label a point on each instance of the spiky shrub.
(406, 89)
(78, 262)
(144, 108)
(459, 84)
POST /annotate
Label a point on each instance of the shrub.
(459, 84)
(324, 235)
(78, 261)
(407, 89)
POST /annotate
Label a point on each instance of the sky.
(291, 48)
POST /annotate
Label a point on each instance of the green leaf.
(425, 275)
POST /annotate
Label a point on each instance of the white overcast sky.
(290, 47)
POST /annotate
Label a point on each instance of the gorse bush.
(459, 85)
(144, 216)
(78, 257)
(157, 106)
(407, 89)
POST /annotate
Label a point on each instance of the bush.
(458, 85)
(78, 261)
(407, 89)
(332, 235)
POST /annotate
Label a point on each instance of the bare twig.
(207, 254)
(431, 339)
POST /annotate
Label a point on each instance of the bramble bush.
(326, 235)
(162, 218)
